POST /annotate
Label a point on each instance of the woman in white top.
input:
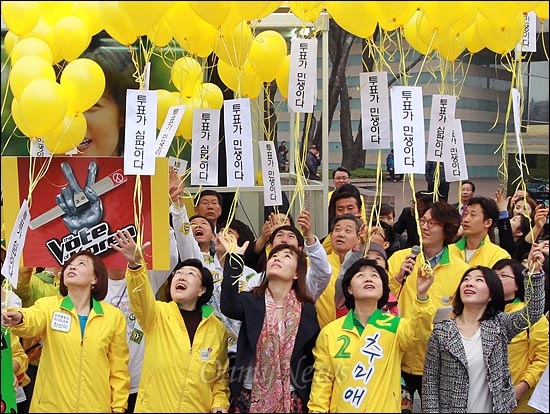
(466, 365)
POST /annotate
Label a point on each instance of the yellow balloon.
(199, 44)
(266, 54)
(31, 46)
(18, 119)
(83, 83)
(233, 44)
(20, 16)
(88, 12)
(542, 10)
(27, 69)
(71, 37)
(527, 6)
(249, 10)
(117, 24)
(443, 14)
(229, 75)
(211, 95)
(412, 31)
(468, 17)
(52, 11)
(394, 14)
(425, 32)
(308, 11)
(499, 13)
(186, 75)
(450, 45)
(9, 41)
(471, 39)
(161, 34)
(270, 7)
(44, 30)
(185, 128)
(282, 77)
(165, 100)
(356, 17)
(213, 12)
(67, 135)
(43, 106)
(500, 40)
(144, 15)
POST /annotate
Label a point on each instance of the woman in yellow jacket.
(527, 351)
(84, 361)
(358, 356)
(185, 366)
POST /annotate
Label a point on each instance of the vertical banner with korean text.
(302, 78)
(238, 143)
(454, 157)
(140, 132)
(442, 117)
(375, 110)
(204, 148)
(270, 174)
(407, 110)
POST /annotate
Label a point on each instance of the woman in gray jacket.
(466, 366)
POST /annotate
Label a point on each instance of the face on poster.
(78, 205)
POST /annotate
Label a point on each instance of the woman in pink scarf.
(274, 363)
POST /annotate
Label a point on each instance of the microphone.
(415, 251)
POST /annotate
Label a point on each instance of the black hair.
(496, 293)
(489, 207)
(244, 231)
(446, 214)
(194, 216)
(99, 290)
(210, 193)
(206, 280)
(471, 184)
(341, 169)
(518, 269)
(353, 270)
(387, 209)
(119, 70)
(347, 216)
(293, 229)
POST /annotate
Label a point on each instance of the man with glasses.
(341, 176)
(407, 219)
(439, 224)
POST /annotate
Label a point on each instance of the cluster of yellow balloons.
(43, 33)
(43, 107)
(448, 27)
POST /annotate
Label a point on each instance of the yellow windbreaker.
(78, 374)
(447, 275)
(359, 369)
(178, 377)
(528, 356)
(487, 254)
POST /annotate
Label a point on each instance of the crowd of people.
(447, 302)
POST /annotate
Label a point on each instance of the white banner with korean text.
(454, 156)
(140, 132)
(168, 130)
(375, 110)
(10, 268)
(270, 174)
(204, 148)
(407, 110)
(302, 78)
(238, 143)
(442, 117)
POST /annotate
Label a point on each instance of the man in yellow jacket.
(438, 228)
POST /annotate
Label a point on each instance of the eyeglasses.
(378, 233)
(429, 223)
(505, 276)
(341, 178)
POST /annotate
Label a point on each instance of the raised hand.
(126, 245)
(87, 215)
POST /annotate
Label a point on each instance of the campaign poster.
(80, 202)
